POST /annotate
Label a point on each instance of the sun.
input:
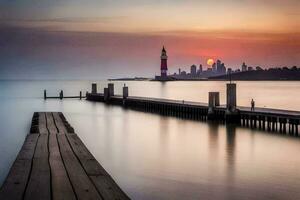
(210, 61)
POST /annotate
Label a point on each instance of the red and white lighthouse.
(163, 65)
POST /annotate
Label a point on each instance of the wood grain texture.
(39, 185)
(50, 124)
(61, 186)
(83, 186)
(90, 164)
(108, 189)
(42, 123)
(59, 123)
(14, 186)
(54, 163)
(106, 186)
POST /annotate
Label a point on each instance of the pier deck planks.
(61, 185)
(83, 186)
(59, 123)
(55, 164)
(16, 181)
(39, 186)
(243, 109)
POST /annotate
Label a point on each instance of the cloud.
(66, 19)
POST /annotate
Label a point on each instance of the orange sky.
(155, 15)
(259, 32)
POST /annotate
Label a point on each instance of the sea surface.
(159, 157)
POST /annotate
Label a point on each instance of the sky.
(99, 39)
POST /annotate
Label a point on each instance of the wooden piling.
(61, 94)
(262, 118)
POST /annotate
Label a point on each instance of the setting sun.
(210, 62)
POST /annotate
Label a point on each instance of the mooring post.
(45, 94)
(213, 101)
(111, 89)
(94, 88)
(125, 92)
(106, 95)
(125, 95)
(231, 96)
(232, 114)
(80, 95)
(296, 127)
(61, 94)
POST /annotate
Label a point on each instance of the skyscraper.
(164, 66)
(214, 67)
(244, 67)
(193, 70)
(200, 69)
(219, 66)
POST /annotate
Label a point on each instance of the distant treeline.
(283, 73)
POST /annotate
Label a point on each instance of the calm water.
(156, 157)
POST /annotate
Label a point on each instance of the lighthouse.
(163, 65)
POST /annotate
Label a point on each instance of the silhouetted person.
(252, 105)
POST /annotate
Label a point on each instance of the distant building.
(179, 71)
(229, 71)
(200, 69)
(219, 66)
(250, 68)
(193, 70)
(223, 69)
(163, 65)
(258, 68)
(244, 67)
(214, 67)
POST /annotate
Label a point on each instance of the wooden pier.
(61, 96)
(275, 120)
(55, 164)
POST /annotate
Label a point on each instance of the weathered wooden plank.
(107, 187)
(82, 185)
(14, 186)
(50, 123)
(90, 164)
(61, 186)
(39, 185)
(59, 123)
(27, 150)
(69, 128)
(42, 123)
(35, 123)
(47, 167)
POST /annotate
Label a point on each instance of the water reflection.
(230, 153)
(158, 157)
(213, 131)
(164, 134)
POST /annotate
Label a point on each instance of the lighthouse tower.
(164, 66)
